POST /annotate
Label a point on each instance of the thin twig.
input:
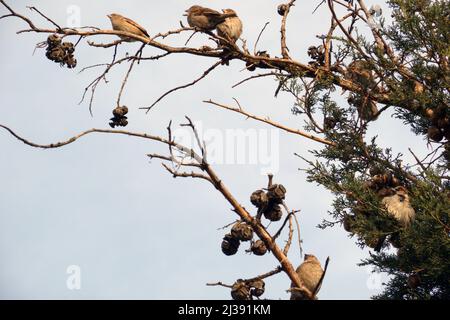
(259, 36)
(205, 73)
(272, 123)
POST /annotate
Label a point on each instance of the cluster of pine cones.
(119, 119)
(61, 52)
(268, 203)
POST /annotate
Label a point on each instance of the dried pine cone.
(242, 231)
(68, 47)
(257, 287)
(230, 245)
(120, 111)
(56, 54)
(119, 119)
(281, 9)
(240, 291)
(259, 199)
(273, 213)
(71, 62)
(258, 248)
(53, 40)
(276, 193)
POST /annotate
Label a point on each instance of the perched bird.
(205, 18)
(398, 206)
(121, 23)
(309, 272)
(359, 73)
(231, 28)
(366, 107)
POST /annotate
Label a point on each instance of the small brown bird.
(309, 272)
(359, 73)
(205, 18)
(366, 107)
(121, 23)
(398, 206)
(231, 28)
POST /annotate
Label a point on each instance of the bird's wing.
(137, 26)
(211, 13)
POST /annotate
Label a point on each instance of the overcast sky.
(101, 205)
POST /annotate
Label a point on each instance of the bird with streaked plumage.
(231, 28)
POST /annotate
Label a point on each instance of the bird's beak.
(109, 16)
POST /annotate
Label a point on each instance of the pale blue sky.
(100, 204)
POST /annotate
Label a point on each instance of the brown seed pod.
(281, 9)
(414, 281)
(56, 54)
(276, 193)
(123, 122)
(259, 199)
(257, 287)
(242, 231)
(258, 248)
(435, 134)
(53, 40)
(230, 245)
(68, 47)
(71, 62)
(273, 213)
(240, 290)
(119, 112)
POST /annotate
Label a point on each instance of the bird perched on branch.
(399, 207)
(205, 18)
(121, 23)
(309, 272)
(231, 28)
(359, 73)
